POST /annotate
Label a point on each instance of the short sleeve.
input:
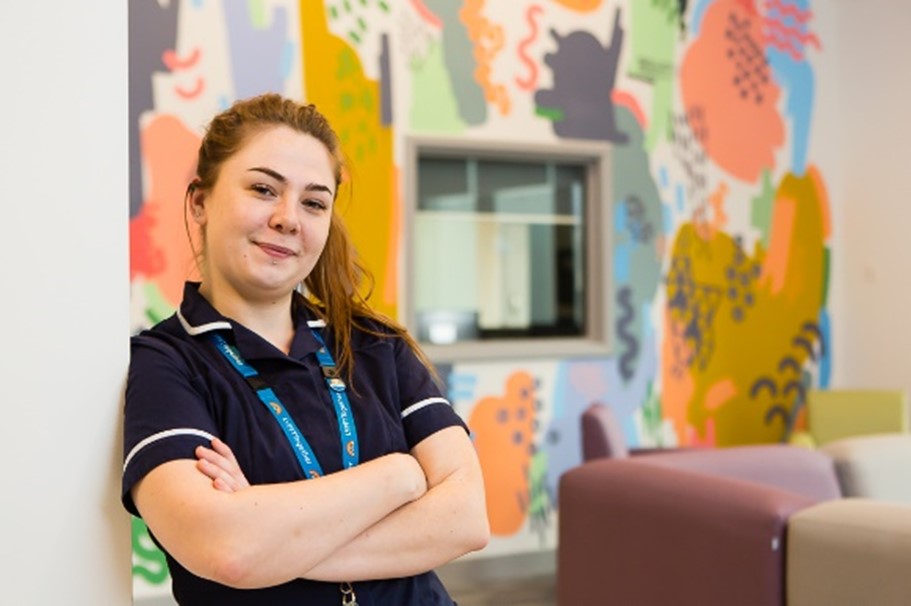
(425, 409)
(165, 412)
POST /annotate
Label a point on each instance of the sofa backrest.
(790, 468)
(602, 436)
(875, 466)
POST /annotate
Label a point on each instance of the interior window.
(501, 248)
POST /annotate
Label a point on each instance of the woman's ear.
(196, 199)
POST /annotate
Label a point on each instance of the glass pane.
(499, 249)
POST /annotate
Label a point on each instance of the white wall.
(873, 87)
(65, 300)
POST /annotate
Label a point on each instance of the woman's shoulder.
(165, 339)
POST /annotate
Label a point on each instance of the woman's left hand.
(219, 464)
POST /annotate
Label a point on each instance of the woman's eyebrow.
(282, 179)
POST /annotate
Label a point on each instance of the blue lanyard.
(302, 450)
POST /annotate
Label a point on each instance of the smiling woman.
(287, 448)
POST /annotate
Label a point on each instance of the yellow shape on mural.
(334, 81)
(740, 329)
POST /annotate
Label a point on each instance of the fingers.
(219, 464)
(221, 480)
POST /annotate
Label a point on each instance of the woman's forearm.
(269, 534)
(447, 522)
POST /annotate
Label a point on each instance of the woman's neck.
(270, 318)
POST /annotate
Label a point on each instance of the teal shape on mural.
(638, 231)
(458, 59)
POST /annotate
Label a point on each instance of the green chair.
(833, 414)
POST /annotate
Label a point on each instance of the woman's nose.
(284, 216)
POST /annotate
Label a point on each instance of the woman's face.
(266, 219)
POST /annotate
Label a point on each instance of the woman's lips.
(276, 251)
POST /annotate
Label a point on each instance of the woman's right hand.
(219, 465)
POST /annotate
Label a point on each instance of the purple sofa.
(701, 526)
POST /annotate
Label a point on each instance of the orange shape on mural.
(582, 6)
(728, 91)
(503, 429)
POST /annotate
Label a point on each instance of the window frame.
(597, 218)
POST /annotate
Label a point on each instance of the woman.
(282, 448)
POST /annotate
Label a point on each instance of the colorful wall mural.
(721, 228)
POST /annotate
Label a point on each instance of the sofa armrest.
(850, 551)
(633, 533)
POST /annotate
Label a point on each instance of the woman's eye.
(263, 190)
(314, 203)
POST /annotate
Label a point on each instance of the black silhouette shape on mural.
(153, 30)
(584, 73)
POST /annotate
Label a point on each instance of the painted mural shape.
(788, 35)
(738, 322)
(653, 44)
(457, 47)
(584, 72)
(260, 51)
(728, 91)
(152, 38)
(638, 242)
(504, 428)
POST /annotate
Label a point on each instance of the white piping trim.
(419, 405)
(316, 323)
(168, 433)
(202, 328)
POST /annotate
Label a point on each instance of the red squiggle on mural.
(175, 63)
(426, 14)
(789, 10)
(531, 15)
(628, 100)
(786, 37)
(193, 92)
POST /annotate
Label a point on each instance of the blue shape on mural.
(584, 73)
(562, 436)
(152, 31)
(458, 56)
(698, 13)
(258, 56)
(792, 72)
(825, 358)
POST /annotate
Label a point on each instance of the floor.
(531, 591)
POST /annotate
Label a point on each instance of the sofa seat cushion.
(849, 551)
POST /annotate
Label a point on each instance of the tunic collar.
(198, 317)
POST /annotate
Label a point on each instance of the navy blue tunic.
(181, 393)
